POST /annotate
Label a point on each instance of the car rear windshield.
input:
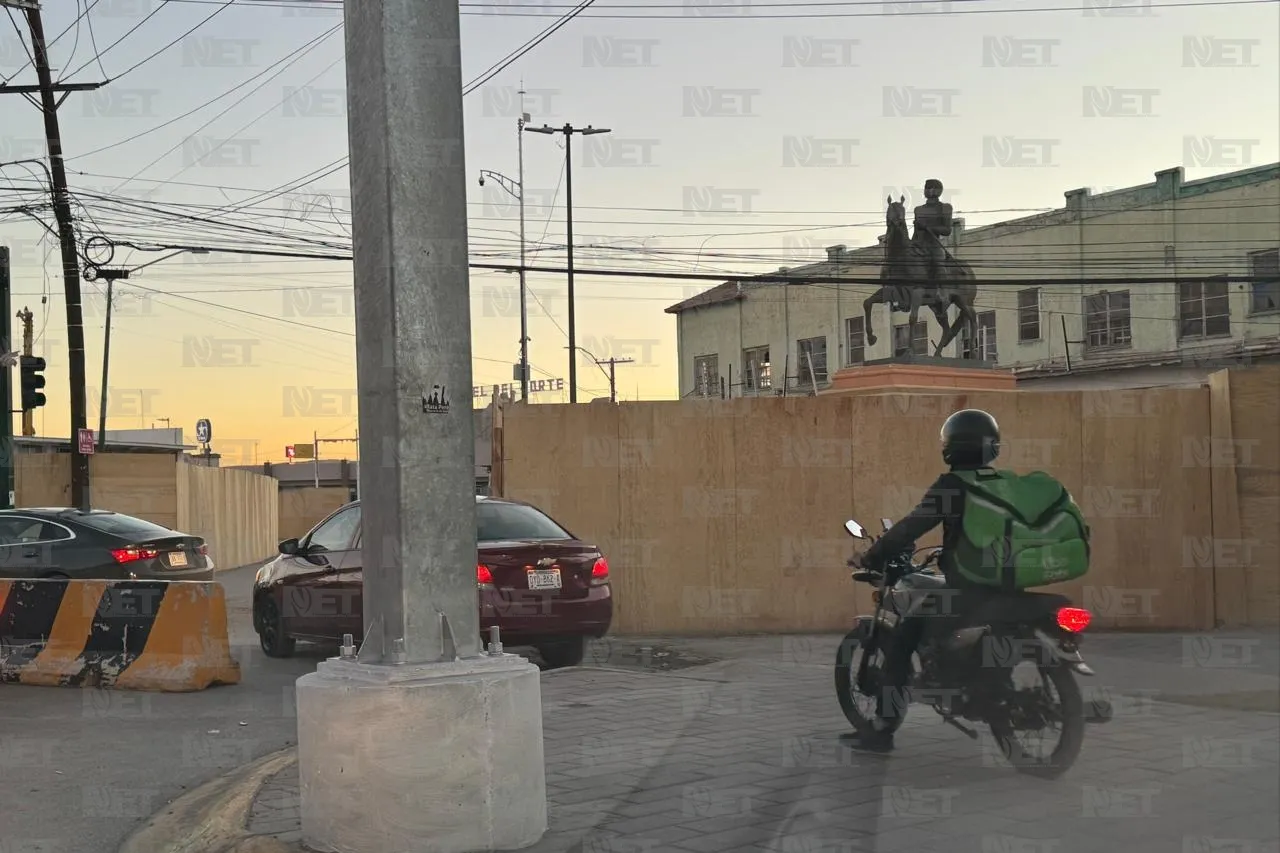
(123, 525)
(496, 522)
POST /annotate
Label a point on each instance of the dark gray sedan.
(57, 542)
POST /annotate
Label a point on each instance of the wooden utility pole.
(48, 105)
(28, 343)
(613, 376)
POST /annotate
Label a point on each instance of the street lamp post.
(516, 189)
(569, 130)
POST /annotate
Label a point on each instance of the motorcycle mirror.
(855, 529)
(886, 523)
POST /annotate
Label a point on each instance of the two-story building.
(742, 337)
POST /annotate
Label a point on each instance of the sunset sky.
(240, 339)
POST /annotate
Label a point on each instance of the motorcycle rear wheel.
(848, 659)
(1070, 707)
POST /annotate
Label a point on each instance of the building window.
(1029, 315)
(984, 349)
(812, 353)
(1106, 320)
(1203, 309)
(1265, 269)
(755, 369)
(911, 341)
(706, 375)
(856, 331)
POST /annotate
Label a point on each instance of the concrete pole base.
(442, 757)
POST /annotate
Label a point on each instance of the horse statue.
(906, 284)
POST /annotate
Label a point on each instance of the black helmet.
(970, 437)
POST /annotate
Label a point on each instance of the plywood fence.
(304, 507)
(726, 516)
(235, 511)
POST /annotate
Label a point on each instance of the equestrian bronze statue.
(919, 271)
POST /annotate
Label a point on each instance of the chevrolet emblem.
(545, 562)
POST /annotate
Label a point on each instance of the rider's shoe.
(877, 742)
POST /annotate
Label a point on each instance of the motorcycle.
(976, 684)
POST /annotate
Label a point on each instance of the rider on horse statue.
(932, 222)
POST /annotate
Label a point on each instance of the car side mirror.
(886, 524)
(290, 547)
(854, 529)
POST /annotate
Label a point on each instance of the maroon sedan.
(541, 585)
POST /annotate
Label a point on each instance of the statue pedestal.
(921, 374)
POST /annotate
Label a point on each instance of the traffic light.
(32, 398)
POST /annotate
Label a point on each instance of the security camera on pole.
(420, 739)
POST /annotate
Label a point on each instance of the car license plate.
(177, 559)
(544, 579)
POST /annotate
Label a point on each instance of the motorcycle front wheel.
(860, 708)
(1066, 709)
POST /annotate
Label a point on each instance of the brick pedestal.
(920, 374)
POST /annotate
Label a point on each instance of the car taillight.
(484, 577)
(600, 571)
(1074, 619)
(129, 555)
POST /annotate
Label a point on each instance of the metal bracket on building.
(448, 648)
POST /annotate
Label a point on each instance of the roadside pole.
(457, 761)
(7, 461)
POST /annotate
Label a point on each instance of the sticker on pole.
(437, 403)
(86, 442)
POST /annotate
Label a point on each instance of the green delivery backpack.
(1019, 531)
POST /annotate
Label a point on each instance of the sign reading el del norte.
(510, 388)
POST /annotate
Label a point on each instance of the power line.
(152, 56)
(207, 103)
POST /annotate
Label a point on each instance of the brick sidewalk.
(747, 756)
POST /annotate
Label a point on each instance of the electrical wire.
(31, 60)
(519, 52)
(227, 5)
(207, 103)
(98, 55)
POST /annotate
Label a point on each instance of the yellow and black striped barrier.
(129, 635)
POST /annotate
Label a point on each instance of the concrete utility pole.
(457, 761)
(569, 130)
(70, 258)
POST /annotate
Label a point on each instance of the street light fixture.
(568, 130)
(516, 190)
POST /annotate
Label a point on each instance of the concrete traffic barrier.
(168, 636)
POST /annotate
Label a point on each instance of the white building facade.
(741, 338)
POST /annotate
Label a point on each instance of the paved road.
(83, 768)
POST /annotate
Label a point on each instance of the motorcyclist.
(970, 440)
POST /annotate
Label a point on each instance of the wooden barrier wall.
(723, 517)
(304, 507)
(235, 511)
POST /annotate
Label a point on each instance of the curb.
(212, 818)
